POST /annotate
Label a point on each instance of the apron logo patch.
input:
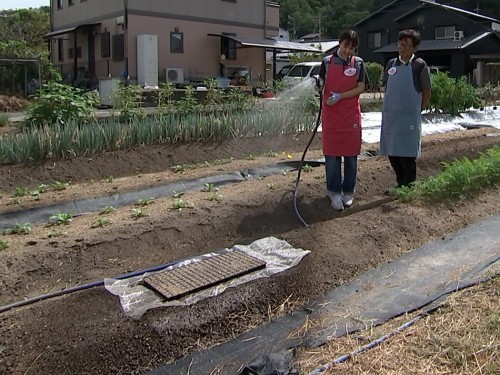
(412, 127)
(392, 71)
(355, 126)
(350, 72)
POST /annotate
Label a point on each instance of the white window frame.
(444, 32)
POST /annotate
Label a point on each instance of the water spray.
(318, 122)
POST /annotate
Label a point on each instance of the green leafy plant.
(109, 179)
(14, 201)
(459, 178)
(307, 168)
(138, 213)
(57, 103)
(177, 168)
(61, 218)
(106, 210)
(222, 161)
(374, 72)
(271, 154)
(250, 157)
(210, 188)
(20, 228)
(450, 95)
(144, 202)
(188, 102)
(128, 98)
(56, 233)
(180, 203)
(20, 191)
(177, 194)
(215, 197)
(100, 222)
(60, 185)
(3, 244)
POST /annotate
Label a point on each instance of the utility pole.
(319, 30)
(477, 8)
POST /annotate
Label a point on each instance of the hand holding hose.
(333, 98)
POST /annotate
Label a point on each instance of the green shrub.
(128, 99)
(450, 95)
(57, 103)
(374, 71)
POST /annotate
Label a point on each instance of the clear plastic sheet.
(136, 299)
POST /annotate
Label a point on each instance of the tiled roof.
(441, 44)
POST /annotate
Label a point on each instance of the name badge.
(350, 72)
(392, 71)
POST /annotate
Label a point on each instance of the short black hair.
(414, 35)
(351, 36)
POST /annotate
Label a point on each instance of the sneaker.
(348, 200)
(337, 202)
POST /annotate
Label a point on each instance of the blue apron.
(401, 130)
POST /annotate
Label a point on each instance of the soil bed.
(86, 332)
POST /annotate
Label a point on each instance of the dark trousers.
(405, 168)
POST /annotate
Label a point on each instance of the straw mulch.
(460, 337)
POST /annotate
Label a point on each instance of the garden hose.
(318, 122)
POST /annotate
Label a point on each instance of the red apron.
(341, 122)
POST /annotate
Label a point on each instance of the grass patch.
(459, 178)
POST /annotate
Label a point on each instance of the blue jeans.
(333, 166)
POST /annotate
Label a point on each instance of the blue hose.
(93, 284)
(295, 192)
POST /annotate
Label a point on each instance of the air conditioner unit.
(458, 35)
(174, 75)
(120, 20)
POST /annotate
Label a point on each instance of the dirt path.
(86, 332)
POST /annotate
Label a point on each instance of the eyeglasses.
(404, 46)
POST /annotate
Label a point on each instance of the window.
(118, 47)
(444, 32)
(228, 47)
(176, 42)
(375, 40)
(229, 1)
(71, 2)
(78, 53)
(105, 45)
(60, 49)
(59, 4)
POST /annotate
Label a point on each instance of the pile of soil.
(87, 333)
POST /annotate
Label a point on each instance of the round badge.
(392, 71)
(350, 72)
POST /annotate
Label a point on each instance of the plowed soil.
(87, 333)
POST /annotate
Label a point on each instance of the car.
(438, 68)
(283, 72)
(301, 72)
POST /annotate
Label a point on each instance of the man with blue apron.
(343, 76)
(407, 94)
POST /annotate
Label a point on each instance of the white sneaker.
(348, 200)
(337, 202)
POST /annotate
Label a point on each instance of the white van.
(301, 72)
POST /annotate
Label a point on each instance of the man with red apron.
(343, 76)
(407, 94)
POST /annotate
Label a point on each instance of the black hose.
(318, 122)
(78, 288)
